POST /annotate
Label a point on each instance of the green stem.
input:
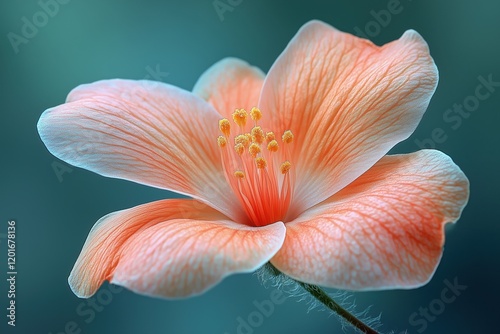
(323, 298)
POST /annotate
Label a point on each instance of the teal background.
(92, 40)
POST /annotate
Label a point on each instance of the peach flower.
(288, 167)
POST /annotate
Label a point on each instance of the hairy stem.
(321, 296)
(326, 300)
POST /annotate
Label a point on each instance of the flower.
(288, 167)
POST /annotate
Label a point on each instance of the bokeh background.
(85, 41)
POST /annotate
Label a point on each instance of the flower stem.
(326, 300)
(321, 296)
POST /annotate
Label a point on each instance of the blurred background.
(47, 50)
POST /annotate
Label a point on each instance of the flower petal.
(229, 84)
(385, 230)
(144, 131)
(170, 248)
(347, 101)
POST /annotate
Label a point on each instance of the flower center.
(256, 167)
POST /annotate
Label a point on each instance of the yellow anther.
(240, 117)
(261, 162)
(239, 174)
(285, 167)
(221, 141)
(257, 134)
(254, 149)
(270, 136)
(225, 127)
(273, 146)
(287, 137)
(239, 148)
(242, 139)
(249, 137)
(256, 114)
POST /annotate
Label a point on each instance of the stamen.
(239, 148)
(273, 146)
(257, 134)
(261, 162)
(270, 136)
(249, 137)
(287, 137)
(242, 139)
(254, 149)
(240, 117)
(285, 167)
(259, 178)
(221, 141)
(256, 114)
(239, 174)
(225, 127)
